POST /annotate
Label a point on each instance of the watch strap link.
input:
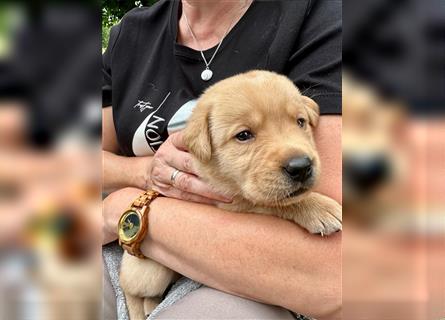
(145, 199)
(134, 249)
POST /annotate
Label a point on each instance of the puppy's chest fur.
(242, 205)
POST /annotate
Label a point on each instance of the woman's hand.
(185, 184)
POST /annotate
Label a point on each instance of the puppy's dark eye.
(301, 122)
(244, 135)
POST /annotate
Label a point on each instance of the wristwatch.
(133, 224)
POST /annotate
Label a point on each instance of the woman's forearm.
(259, 257)
(120, 172)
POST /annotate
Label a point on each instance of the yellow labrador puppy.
(251, 137)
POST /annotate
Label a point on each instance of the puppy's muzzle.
(299, 169)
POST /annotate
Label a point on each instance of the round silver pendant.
(206, 75)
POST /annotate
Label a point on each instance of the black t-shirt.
(152, 82)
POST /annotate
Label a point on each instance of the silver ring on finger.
(174, 175)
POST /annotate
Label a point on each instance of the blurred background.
(50, 160)
(393, 158)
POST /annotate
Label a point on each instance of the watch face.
(130, 225)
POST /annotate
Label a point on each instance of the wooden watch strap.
(142, 202)
(145, 199)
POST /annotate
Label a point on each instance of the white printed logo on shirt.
(142, 105)
(147, 136)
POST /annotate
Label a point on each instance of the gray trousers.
(207, 303)
(203, 303)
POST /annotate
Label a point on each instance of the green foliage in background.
(10, 17)
(114, 10)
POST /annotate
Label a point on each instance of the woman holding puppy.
(158, 62)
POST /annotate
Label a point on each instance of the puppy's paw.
(320, 215)
(324, 223)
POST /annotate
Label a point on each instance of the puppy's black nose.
(299, 169)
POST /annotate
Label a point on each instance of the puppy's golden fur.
(268, 106)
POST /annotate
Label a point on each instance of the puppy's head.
(252, 136)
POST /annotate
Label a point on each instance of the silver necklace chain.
(199, 45)
(207, 73)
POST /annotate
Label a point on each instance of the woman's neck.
(209, 20)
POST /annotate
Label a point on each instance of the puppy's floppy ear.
(312, 110)
(197, 132)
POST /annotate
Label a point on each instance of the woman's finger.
(192, 184)
(178, 141)
(182, 161)
(172, 192)
(186, 183)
